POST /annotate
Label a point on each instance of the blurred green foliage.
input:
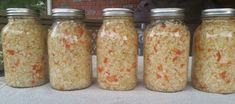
(32, 4)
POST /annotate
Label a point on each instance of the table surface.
(93, 95)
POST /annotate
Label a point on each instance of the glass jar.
(2, 18)
(117, 48)
(23, 40)
(69, 49)
(214, 48)
(166, 51)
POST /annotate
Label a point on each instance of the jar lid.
(65, 12)
(20, 12)
(167, 12)
(117, 12)
(218, 12)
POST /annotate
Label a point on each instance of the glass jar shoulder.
(166, 28)
(117, 29)
(67, 27)
(23, 27)
(218, 28)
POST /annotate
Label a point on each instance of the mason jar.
(23, 40)
(69, 50)
(2, 19)
(166, 50)
(117, 48)
(213, 52)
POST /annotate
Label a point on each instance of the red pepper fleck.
(67, 46)
(66, 43)
(209, 49)
(166, 78)
(158, 41)
(178, 52)
(112, 78)
(106, 60)
(176, 30)
(160, 68)
(218, 56)
(155, 49)
(158, 76)
(11, 52)
(37, 68)
(100, 69)
(223, 75)
(80, 31)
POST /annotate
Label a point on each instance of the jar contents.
(69, 48)
(213, 57)
(23, 40)
(117, 47)
(166, 52)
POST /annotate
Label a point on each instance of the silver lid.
(117, 12)
(167, 12)
(218, 12)
(64, 12)
(20, 12)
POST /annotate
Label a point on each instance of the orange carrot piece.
(176, 30)
(209, 49)
(218, 56)
(106, 60)
(80, 31)
(100, 69)
(112, 78)
(158, 76)
(178, 52)
(166, 78)
(11, 52)
(223, 75)
(155, 49)
(160, 68)
(37, 68)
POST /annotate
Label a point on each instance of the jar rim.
(117, 12)
(68, 12)
(20, 12)
(167, 12)
(218, 12)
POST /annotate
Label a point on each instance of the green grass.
(32, 4)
